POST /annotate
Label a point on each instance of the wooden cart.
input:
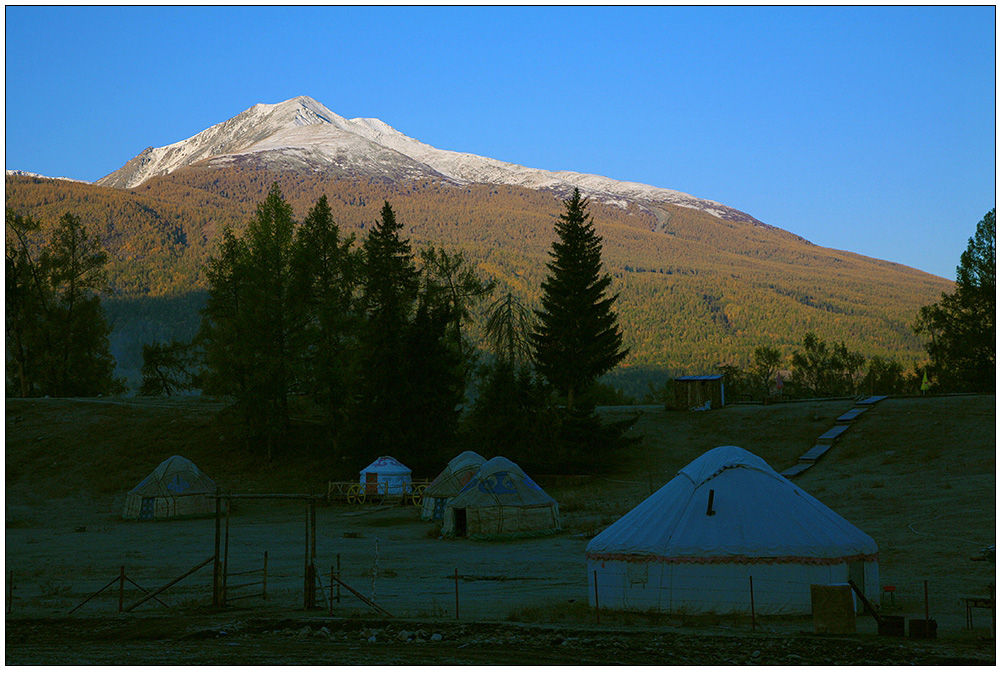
(355, 493)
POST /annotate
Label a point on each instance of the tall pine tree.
(577, 338)
(962, 325)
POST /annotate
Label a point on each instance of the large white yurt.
(501, 502)
(175, 488)
(724, 518)
(385, 475)
(448, 484)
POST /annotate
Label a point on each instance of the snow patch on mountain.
(29, 174)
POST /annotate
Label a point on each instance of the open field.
(917, 474)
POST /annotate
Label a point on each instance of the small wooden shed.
(696, 391)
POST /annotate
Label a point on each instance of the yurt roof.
(448, 482)
(175, 476)
(499, 481)
(386, 465)
(758, 515)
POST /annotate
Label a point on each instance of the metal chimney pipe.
(709, 505)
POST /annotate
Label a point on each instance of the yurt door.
(371, 482)
(148, 509)
(460, 515)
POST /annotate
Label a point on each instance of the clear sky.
(869, 129)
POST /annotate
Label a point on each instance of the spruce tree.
(389, 290)
(577, 338)
(962, 325)
(326, 277)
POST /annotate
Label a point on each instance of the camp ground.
(905, 517)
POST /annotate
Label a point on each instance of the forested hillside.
(694, 291)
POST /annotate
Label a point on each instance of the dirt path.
(228, 639)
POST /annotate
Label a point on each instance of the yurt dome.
(723, 518)
(175, 488)
(386, 475)
(448, 483)
(500, 502)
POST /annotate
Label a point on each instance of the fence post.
(330, 595)
(598, 618)
(226, 552)
(121, 588)
(338, 598)
(457, 592)
(10, 598)
(264, 578)
(315, 572)
(216, 566)
(751, 593)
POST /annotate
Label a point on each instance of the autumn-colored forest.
(694, 291)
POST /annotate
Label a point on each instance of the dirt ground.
(519, 602)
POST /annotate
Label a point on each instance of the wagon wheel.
(417, 493)
(356, 494)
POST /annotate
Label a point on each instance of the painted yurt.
(501, 502)
(724, 518)
(175, 488)
(448, 484)
(386, 475)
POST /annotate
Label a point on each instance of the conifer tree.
(962, 324)
(55, 321)
(326, 270)
(389, 290)
(254, 316)
(578, 337)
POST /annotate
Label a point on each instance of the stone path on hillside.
(827, 440)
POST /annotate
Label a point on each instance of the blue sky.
(870, 129)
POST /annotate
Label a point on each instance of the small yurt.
(386, 475)
(448, 483)
(175, 488)
(725, 529)
(501, 502)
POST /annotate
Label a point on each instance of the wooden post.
(313, 553)
(338, 598)
(598, 617)
(330, 596)
(751, 593)
(925, 584)
(264, 578)
(991, 594)
(457, 593)
(306, 559)
(215, 566)
(226, 551)
(10, 594)
(121, 589)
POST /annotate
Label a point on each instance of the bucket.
(891, 625)
(921, 628)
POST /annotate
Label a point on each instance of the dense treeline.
(56, 332)
(694, 291)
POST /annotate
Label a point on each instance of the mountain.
(302, 134)
(699, 284)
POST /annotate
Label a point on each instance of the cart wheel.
(417, 493)
(356, 494)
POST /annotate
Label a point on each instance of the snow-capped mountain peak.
(303, 134)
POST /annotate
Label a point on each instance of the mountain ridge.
(303, 134)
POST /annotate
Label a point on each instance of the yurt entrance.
(460, 515)
(371, 482)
